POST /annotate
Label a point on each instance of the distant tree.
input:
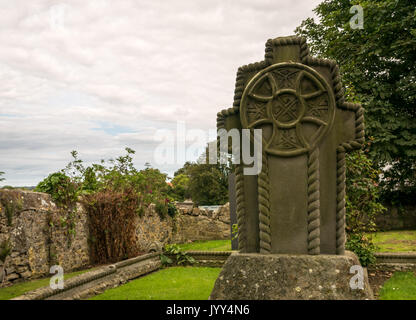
(1, 173)
(378, 68)
(208, 183)
(180, 185)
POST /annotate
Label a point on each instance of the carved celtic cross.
(296, 204)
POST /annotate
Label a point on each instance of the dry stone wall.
(40, 234)
(203, 224)
(191, 224)
(395, 218)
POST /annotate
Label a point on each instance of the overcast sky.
(97, 76)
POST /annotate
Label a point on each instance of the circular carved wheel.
(295, 101)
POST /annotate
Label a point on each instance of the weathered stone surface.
(200, 228)
(285, 277)
(191, 224)
(151, 228)
(40, 234)
(395, 218)
(233, 209)
(296, 203)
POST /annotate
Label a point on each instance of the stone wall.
(41, 235)
(202, 224)
(397, 219)
(191, 224)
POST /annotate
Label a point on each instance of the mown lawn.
(395, 241)
(401, 286)
(213, 245)
(389, 241)
(175, 283)
(18, 289)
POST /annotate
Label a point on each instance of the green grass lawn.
(175, 283)
(20, 288)
(401, 286)
(390, 241)
(213, 245)
(395, 241)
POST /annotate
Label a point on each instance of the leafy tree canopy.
(378, 68)
(206, 184)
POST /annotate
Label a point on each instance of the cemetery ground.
(174, 283)
(196, 283)
(18, 289)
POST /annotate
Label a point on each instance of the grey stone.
(252, 276)
(155, 246)
(293, 211)
(12, 276)
(297, 200)
(233, 209)
(37, 244)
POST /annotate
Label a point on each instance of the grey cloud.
(67, 65)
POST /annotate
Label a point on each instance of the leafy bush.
(362, 205)
(166, 208)
(180, 187)
(5, 250)
(180, 256)
(206, 184)
(12, 204)
(378, 68)
(363, 247)
(61, 187)
(114, 194)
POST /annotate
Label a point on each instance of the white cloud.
(132, 67)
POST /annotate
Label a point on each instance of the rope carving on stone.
(341, 150)
(241, 210)
(313, 203)
(244, 74)
(340, 214)
(264, 205)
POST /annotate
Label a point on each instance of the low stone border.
(208, 258)
(394, 261)
(395, 257)
(97, 281)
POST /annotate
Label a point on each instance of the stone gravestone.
(233, 209)
(291, 216)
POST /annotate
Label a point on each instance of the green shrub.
(63, 190)
(114, 193)
(362, 205)
(5, 250)
(180, 256)
(161, 209)
(363, 247)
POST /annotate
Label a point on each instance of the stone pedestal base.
(251, 276)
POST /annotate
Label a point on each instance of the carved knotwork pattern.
(295, 101)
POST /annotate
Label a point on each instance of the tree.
(208, 183)
(378, 68)
(180, 184)
(1, 173)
